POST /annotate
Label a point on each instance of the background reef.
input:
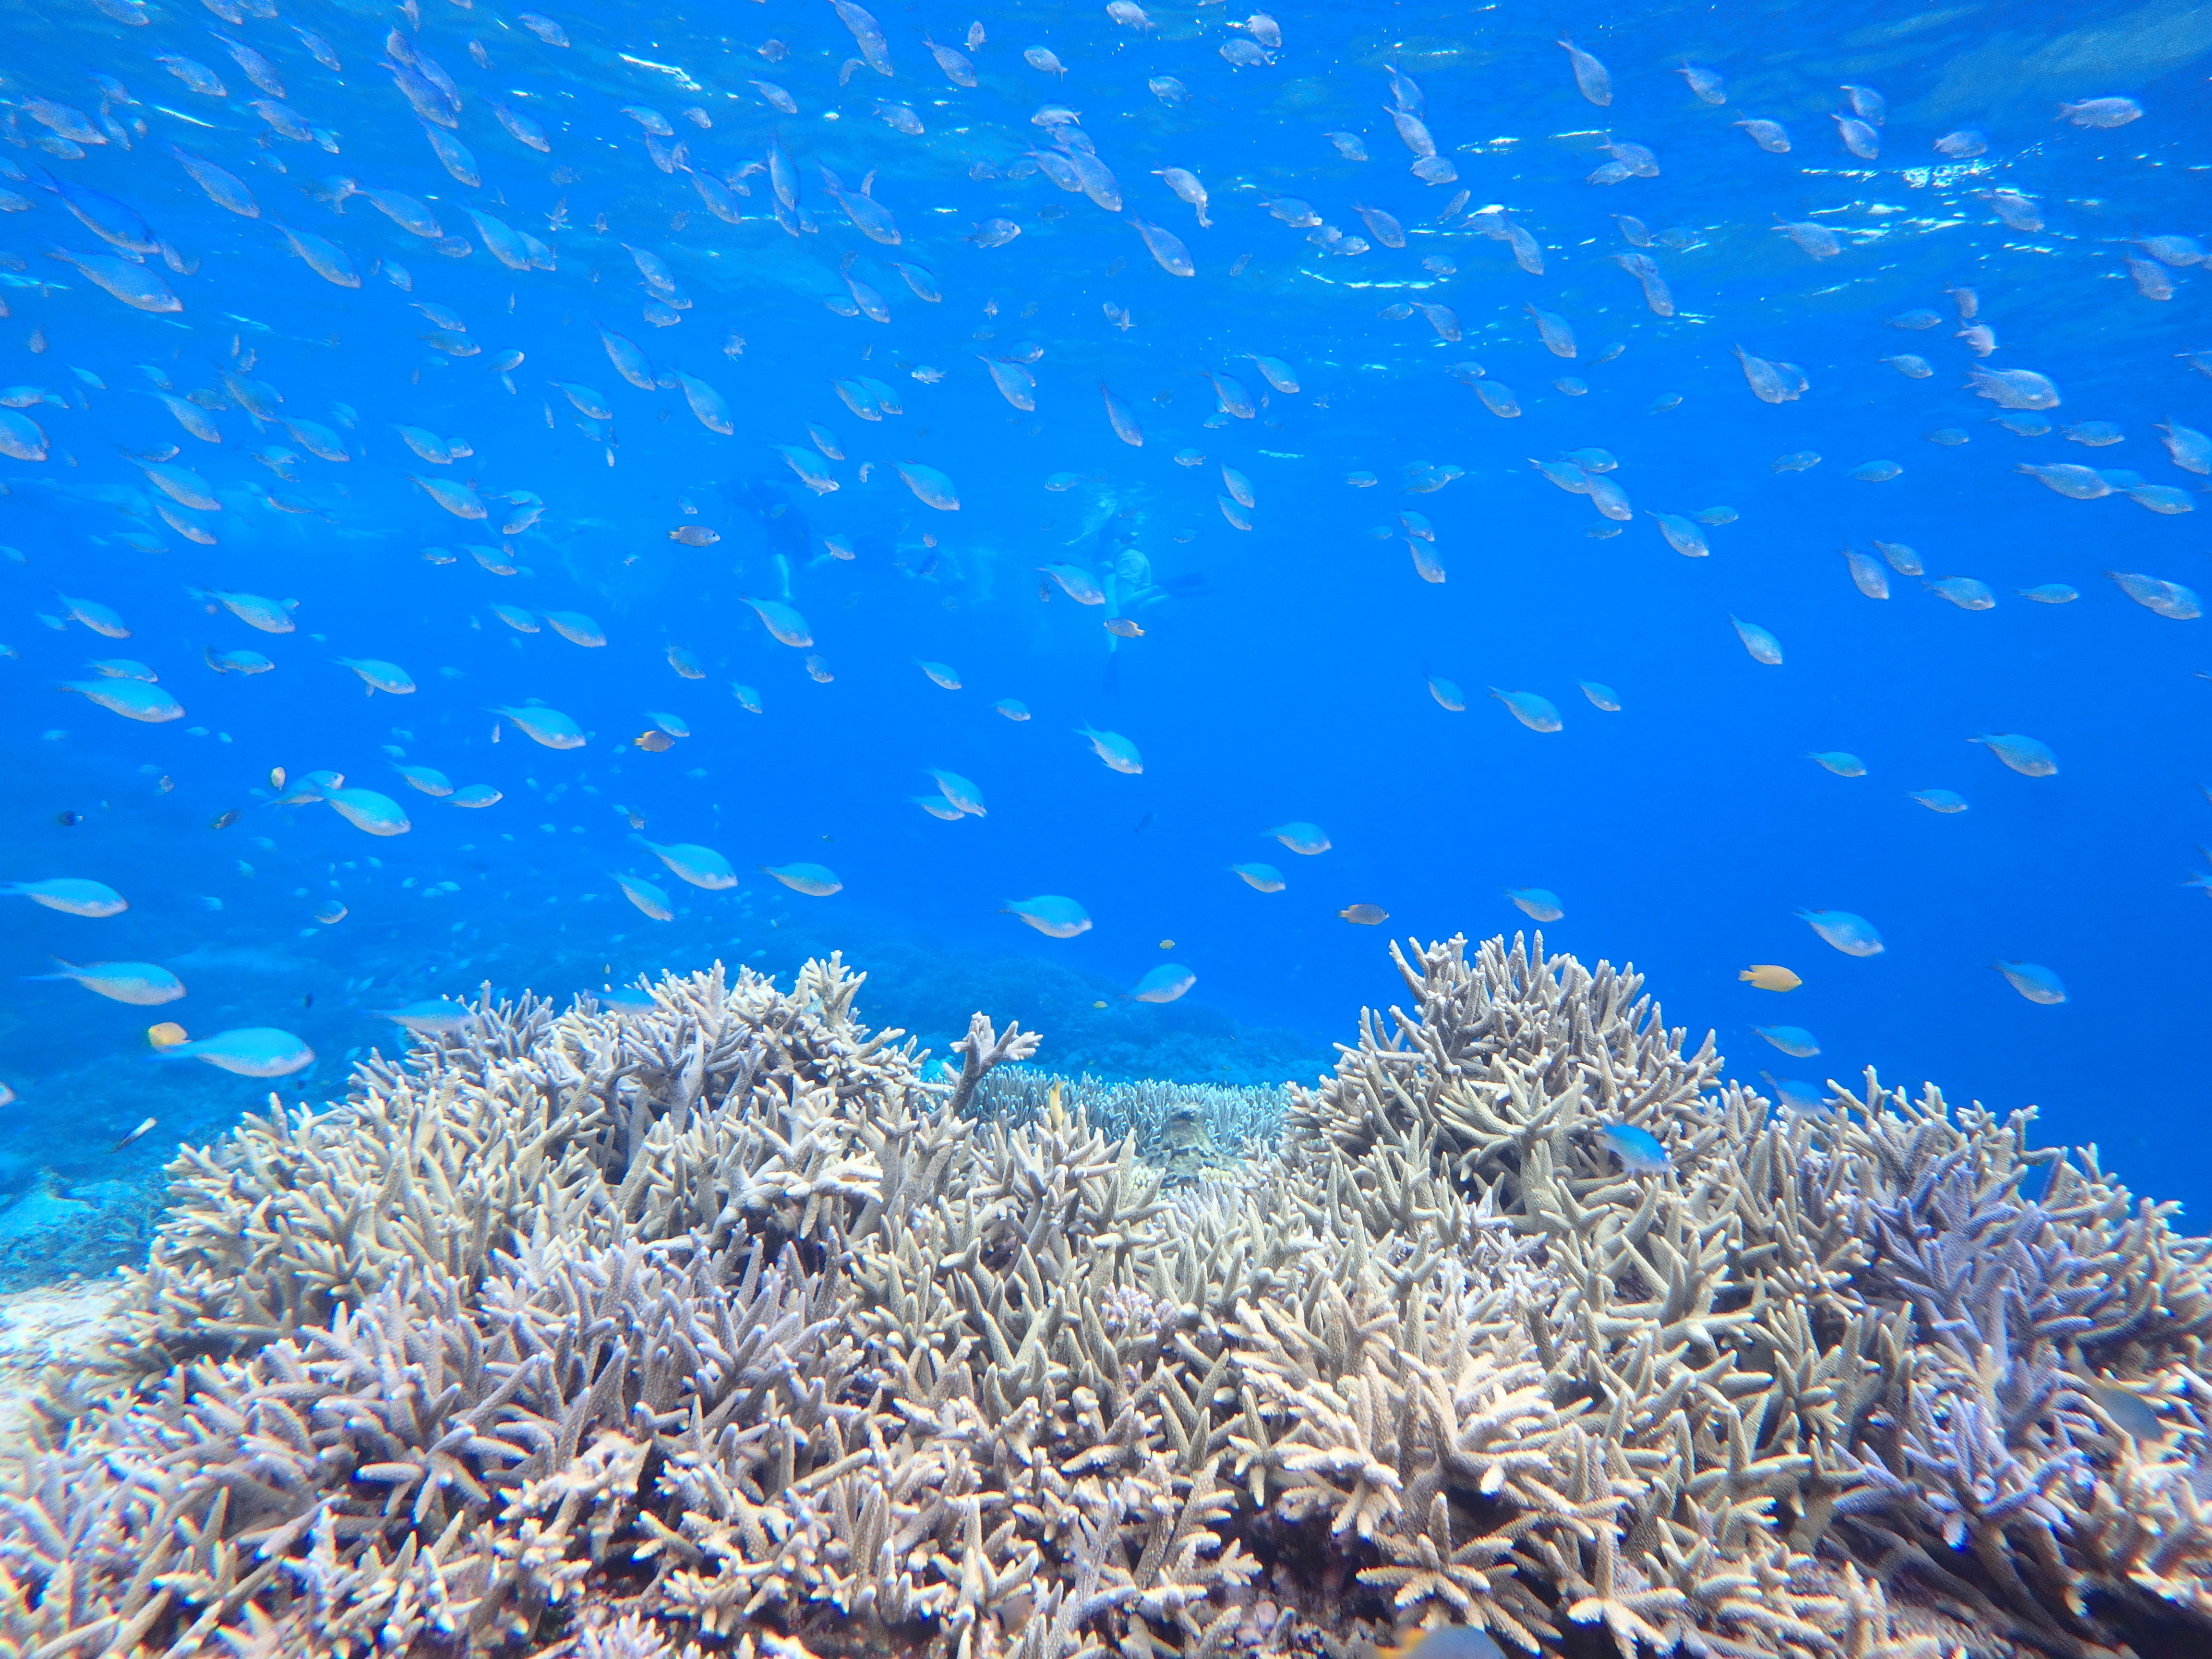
(68, 1206)
(733, 1323)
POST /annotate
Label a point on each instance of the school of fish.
(491, 316)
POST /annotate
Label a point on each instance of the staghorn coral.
(526, 1125)
(1188, 1129)
(727, 1324)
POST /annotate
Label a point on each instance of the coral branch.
(984, 1048)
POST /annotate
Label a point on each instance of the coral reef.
(730, 1325)
(931, 985)
(44, 1329)
(53, 1232)
(1187, 1129)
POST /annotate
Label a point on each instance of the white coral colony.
(726, 1232)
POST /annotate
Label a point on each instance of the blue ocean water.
(1281, 671)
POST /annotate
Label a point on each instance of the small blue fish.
(436, 1016)
(962, 794)
(369, 811)
(1638, 1150)
(702, 866)
(931, 488)
(236, 662)
(2131, 1411)
(2035, 982)
(547, 725)
(1050, 914)
(71, 894)
(1539, 904)
(427, 779)
(144, 983)
(2028, 757)
(1793, 1039)
(137, 700)
(1854, 935)
(1763, 646)
(1165, 983)
(1967, 593)
(260, 1051)
(814, 880)
(1939, 800)
(1538, 714)
(1796, 1095)
(1301, 837)
(650, 898)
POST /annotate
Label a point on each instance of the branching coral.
(1192, 1130)
(730, 1324)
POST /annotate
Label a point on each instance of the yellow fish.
(1769, 976)
(167, 1035)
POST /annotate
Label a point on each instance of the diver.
(1126, 574)
(782, 523)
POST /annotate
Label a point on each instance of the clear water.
(1280, 673)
